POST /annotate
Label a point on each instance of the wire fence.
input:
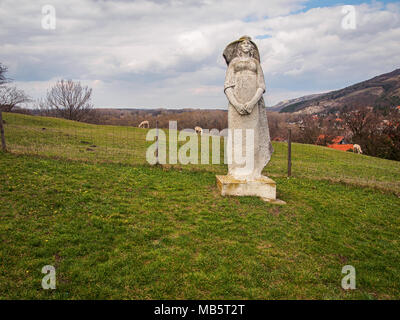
(62, 139)
(77, 141)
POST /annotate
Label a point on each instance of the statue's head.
(244, 46)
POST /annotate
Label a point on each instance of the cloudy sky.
(169, 53)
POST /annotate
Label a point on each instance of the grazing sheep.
(357, 148)
(144, 124)
(198, 130)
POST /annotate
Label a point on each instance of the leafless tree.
(310, 129)
(360, 122)
(278, 124)
(392, 131)
(11, 97)
(70, 100)
(43, 109)
(3, 70)
(377, 136)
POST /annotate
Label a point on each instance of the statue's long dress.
(245, 76)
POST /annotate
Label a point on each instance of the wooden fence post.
(289, 153)
(156, 141)
(3, 138)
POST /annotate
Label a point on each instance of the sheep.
(357, 148)
(144, 124)
(198, 130)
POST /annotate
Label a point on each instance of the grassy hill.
(82, 198)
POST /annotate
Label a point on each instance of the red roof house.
(338, 140)
(341, 147)
(340, 144)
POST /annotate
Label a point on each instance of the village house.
(338, 142)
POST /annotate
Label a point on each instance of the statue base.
(264, 187)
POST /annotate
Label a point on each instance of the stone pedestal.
(264, 187)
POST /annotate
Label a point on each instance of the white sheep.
(357, 148)
(144, 124)
(198, 130)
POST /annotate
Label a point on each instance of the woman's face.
(245, 46)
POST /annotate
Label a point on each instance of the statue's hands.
(234, 102)
(240, 107)
(249, 106)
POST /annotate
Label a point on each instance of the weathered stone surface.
(244, 87)
(262, 187)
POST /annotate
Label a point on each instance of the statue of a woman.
(244, 87)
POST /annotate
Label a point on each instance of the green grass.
(117, 228)
(63, 139)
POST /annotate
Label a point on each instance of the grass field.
(117, 228)
(63, 139)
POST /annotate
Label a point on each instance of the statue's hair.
(233, 50)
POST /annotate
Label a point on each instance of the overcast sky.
(169, 53)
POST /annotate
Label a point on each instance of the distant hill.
(283, 104)
(383, 91)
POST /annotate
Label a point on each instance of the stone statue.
(244, 87)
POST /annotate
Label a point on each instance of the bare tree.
(355, 122)
(310, 130)
(392, 131)
(277, 123)
(70, 100)
(360, 122)
(3, 70)
(43, 109)
(11, 97)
